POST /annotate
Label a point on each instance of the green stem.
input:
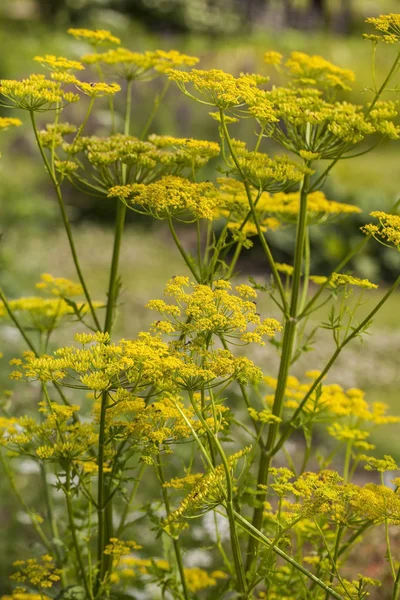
(287, 351)
(237, 555)
(290, 427)
(101, 495)
(263, 539)
(234, 260)
(66, 222)
(181, 249)
(261, 236)
(176, 544)
(159, 98)
(396, 587)
(67, 490)
(18, 495)
(125, 513)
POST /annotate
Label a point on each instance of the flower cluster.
(388, 28)
(126, 159)
(96, 37)
(212, 311)
(265, 173)
(170, 196)
(6, 122)
(309, 71)
(35, 93)
(208, 492)
(306, 124)
(45, 314)
(388, 230)
(217, 88)
(59, 63)
(331, 400)
(137, 65)
(40, 574)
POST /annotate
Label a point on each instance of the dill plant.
(113, 413)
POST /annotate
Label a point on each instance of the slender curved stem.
(176, 543)
(261, 236)
(290, 426)
(66, 222)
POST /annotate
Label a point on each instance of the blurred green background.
(228, 34)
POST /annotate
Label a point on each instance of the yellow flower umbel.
(388, 230)
(310, 71)
(40, 574)
(35, 93)
(142, 161)
(201, 311)
(6, 122)
(388, 28)
(207, 493)
(96, 37)
(285, 207)
(59, 63)
(306, 124)
(170, 197)
(46, 314)
(217, 88)
(265, 173)
(137, 65)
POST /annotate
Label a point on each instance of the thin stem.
(10, 476)
(290, 427)
(181, 249)
(261, 236)
(125, 513)
(237, 557)
(176, 543)
(157, 101)
(66, 222)
(263, 539)
(72, 526)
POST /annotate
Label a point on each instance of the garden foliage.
(184, 402)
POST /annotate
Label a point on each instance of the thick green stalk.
(104, 507)
(287, 351)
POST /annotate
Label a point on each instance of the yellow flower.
(98, 90)
(95, 37)
(136, 65)
(35, 93)
(59, 63)
(338, 279)
(58, 286)
(387, 463)
(273, 58)
(388, 230)
(388, 27)
(311, 71)
(6, 122)
(170, 196)
(217, 88)
(40, 573)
